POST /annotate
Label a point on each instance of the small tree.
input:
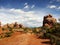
(15, 25)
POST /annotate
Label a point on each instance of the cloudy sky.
(28, 12)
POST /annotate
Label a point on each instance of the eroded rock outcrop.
(49, 20)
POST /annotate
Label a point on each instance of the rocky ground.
(23, 39)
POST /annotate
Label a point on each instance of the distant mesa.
(49, 20)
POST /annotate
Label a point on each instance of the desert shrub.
(3, 29)
(58, 42)
(34, 31)
(10, 29)
(1, 37)
(25, 30)
(8, 34)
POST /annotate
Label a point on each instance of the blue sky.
(28, 12)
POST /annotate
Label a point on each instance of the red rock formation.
(49, 21)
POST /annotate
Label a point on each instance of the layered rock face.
(49, 21)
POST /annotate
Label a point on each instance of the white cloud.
(26, 6)
(16, 10)
(58, 7)
(32, 6)
(30, 18)
(52, 6)
(27, 18)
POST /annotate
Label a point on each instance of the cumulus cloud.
(52, 6)
(29, 18)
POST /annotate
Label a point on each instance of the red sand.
(22, 39)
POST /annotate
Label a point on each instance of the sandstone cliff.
(49, 20)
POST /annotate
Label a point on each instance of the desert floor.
(23, 39)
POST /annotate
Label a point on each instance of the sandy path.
(22, 39)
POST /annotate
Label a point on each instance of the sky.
(28, 12)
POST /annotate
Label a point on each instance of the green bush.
(3, 29)
(8, 34)
(1, 37)
(58, 42)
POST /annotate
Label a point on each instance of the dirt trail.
(22, 39)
